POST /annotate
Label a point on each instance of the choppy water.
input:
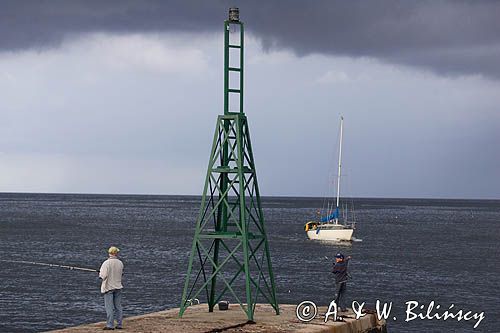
(423, 250)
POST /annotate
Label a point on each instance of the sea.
(407, 252)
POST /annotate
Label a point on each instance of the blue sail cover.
(332, 216)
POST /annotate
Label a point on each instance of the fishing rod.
(51, 265)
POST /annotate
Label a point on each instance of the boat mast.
(340, 163)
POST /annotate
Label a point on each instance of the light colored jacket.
(111, 274)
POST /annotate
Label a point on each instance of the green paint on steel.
(230, 257)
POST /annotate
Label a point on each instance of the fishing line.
(51, 265)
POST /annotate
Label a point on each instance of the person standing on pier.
(111, 287)
(341, 276)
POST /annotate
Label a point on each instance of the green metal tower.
(230, 257)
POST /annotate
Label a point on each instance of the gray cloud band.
(447, 37)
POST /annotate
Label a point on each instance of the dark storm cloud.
(448, 37)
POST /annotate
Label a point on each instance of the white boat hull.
(331, 234)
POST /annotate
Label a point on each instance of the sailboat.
(329, 227)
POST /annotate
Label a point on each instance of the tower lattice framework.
(230, 258)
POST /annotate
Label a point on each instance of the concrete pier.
(198, 319)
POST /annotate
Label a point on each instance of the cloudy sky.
(122, 96)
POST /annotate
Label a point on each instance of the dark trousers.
(340, 290)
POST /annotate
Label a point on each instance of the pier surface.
(198, 319)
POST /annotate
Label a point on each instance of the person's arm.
(347, 266)
(103, 271)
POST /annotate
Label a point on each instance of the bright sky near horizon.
(112, 103)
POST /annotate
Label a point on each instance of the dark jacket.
(340, 271)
